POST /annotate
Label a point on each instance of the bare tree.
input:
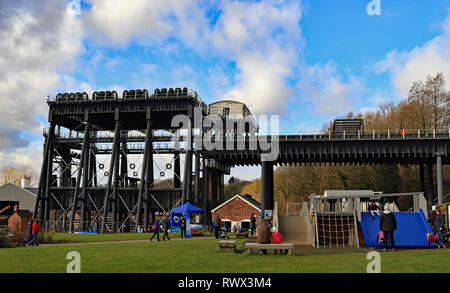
(9, 174)
(438, 99)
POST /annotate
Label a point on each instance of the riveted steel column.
(143, 173)
(267, 201)
(110, 175)
(46, 199)
(84, 195)
(115, 198)
(92, 169)
(197, 178)
(429, 185)
(204, 192)
(440, 181)
(176, 170)
(422, 177)
(124, 165)
(80, 169)
(148, 180)
(37, 205)
(187, 190)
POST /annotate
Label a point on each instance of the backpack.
(154, 227)
(277, 238)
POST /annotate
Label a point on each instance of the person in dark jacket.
(264, 234)
(155, 230)
(431, 218)
(166, 227)
(439, 226)
(388, 224)
(252, 224)
(183, 226)
(29, 234)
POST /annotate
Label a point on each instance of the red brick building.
(18, 222)
(235, 212)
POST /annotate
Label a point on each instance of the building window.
(245, 225)
(226, 112)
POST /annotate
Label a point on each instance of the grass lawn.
(201, 255)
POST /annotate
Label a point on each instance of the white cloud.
(118, 22)
(262, 38)
(409, 66)
(323, 85)
(39, 43)
(29, 156)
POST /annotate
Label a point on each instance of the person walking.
(388, 224)
(155, 230)
(264, 234)
(34, 233)
(29, 233)
(439, 226)
(252, 224)
(183, 226)
(217, 227)
(166, 227)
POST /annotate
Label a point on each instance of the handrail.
(314, 135)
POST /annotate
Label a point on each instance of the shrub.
(4, 240)
(46, 237)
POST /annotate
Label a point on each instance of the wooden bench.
(226, 245)
(253, 245)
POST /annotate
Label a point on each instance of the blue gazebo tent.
(186, 210)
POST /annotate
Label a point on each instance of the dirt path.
(123, 241)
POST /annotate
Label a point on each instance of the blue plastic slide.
(412, 229)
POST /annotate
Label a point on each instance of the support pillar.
(115, 198)
(148, 181)
(93, 163)
(422, 177)
(187, 190)
(110, 174)
(204, 194)
(38, 205)
(87, 129)
(84, 195)
(176, 170)
(267, 200)
(124, 166)
(429, 184)
(46, 199)
(92, 170)
(143, 173)
(197, 178)
(440, 180)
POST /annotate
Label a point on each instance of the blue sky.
(309, 61)
(340, 32)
